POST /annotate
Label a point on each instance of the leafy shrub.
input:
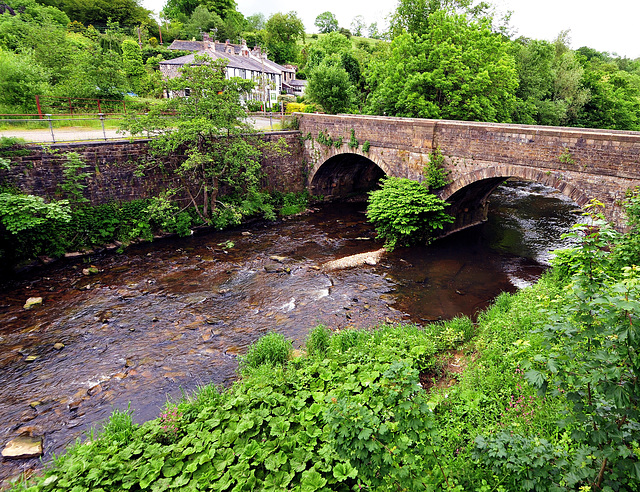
(318, 341)
(254, 106)
(404, 212)
(291, 203)
(525, 463)
(271, 350)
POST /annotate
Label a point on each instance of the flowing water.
(162, 318)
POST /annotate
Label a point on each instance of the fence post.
(38, 105)
(104, 134)
(53, 137)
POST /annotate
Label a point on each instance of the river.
(162, 318)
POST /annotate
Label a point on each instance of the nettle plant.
(594, 341)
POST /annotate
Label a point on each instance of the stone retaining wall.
(113, 169)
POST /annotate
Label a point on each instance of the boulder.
(23, 447)
(32, 301)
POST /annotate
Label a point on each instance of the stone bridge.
(581, 163)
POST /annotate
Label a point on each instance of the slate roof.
(234, 61)
(182, 45)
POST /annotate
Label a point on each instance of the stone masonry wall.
(581, 163)
(112, 168)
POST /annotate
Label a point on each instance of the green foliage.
(365, 146)
(468, 75)
(32, 227)
(404, 212)
(120, 427)
(132, 63)
(19, 213)
(325, 139)
(436, 175)
(566, 157)
(326, 22)
(73, 184)
(282, 33)
(318, 341)
(364, 429)
(271, 350)
(291, 203)
(525, 463)
(353, 141)
(413, 15)
(209, 132)
(330, 86)
(594, 337)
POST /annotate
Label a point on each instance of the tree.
(255, 22)
(326, 22)
(358, 25)
(330, 86)
(201, 20)
(173, 8)
(281, 35)
(132, 63)
(96, 12)
(412, 16)
(404, 212)
(457, 70)
(22, 79)
(206, 135)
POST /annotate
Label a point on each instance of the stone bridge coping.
(560, 131)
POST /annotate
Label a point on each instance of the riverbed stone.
(31, 358)
(23, 447)
(32, 301)
(58, 346)
(279, 259)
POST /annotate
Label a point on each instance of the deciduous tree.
(282, 33)
(326, 22)
(209, 136)
(457, 70)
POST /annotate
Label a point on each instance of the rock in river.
(32, 301)
(23, 447)
(368, 258)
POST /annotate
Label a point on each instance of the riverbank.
(442, 395)
(394, 406)
(395, 399)
(453, 406)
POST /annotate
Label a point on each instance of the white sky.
(612, 25)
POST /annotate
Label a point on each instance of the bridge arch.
(468, 194)
(345, 174)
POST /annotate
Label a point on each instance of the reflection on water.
(163, 318)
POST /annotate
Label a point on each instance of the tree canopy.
(326, 22)
(282, 33)
(457, 70)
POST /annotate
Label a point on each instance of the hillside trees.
(326, 22)
(282, 33)
(457, 70)
(334, 73)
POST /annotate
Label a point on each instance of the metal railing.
(52, 129)
(31, 128)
